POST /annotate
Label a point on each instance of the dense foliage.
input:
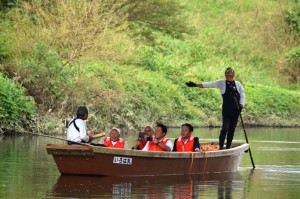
(17, 111)
(128, 60)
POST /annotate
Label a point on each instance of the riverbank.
(57, 127)
(133, 71)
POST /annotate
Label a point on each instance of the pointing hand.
(191, 84)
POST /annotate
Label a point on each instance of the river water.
(26, 171)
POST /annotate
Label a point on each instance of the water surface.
(26, 171)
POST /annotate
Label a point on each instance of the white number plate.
(122, 160)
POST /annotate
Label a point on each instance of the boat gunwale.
(240, 148)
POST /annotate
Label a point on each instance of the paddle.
(99, 135)
(246, 137)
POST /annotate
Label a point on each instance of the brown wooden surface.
(73, 150)
(144, 163)
(98, 135)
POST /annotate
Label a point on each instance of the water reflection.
(190, 186)
(224, 189)
(27, 171)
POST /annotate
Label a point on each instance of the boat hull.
(87, 160)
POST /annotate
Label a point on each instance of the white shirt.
(77, 136)
(221, 84)
(168, 144)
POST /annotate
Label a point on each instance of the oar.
(80, 143)
(99, 135)
(246, 137)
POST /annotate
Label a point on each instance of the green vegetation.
(128, 60)
(17, 111)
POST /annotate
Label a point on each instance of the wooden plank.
(74, 150)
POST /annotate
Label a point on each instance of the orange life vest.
(142, 144)
(185, 147)
(155, 147)
(120, 143)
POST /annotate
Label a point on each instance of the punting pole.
(246, 137)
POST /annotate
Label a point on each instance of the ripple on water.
(277, 142)
(287, 169)
(278, 149)
(274, 168)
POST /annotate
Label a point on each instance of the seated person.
(141, 143)
(77, 130)
(160, 142)
(186, 142)
(114, 140)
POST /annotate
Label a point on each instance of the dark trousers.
(228, 128)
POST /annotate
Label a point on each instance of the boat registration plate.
(122, 160)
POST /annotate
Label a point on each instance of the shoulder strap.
(73, 122)
(179, 138)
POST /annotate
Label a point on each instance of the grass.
(135, 79)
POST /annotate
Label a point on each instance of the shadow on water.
(225, 185)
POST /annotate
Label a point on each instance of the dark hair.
(163, 127)
(81, 111)
(191, 128)
(229, 69)
(151, 129)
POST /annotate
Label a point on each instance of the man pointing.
(233, 101)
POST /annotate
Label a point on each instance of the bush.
(17, 111)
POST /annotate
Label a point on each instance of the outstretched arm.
(216, 84)
(192, 84)
(200, 86)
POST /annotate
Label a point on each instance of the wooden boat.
(93, 160)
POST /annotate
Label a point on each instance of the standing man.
(233, 101)
(77, 130)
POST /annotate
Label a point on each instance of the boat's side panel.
(103, 164)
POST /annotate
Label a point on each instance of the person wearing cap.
(159, 142)
(141, 143)
(233, 101)
(186, 142)
(77, 130)
(114, 140)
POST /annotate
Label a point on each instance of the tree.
(167, 16)
(52, 39)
